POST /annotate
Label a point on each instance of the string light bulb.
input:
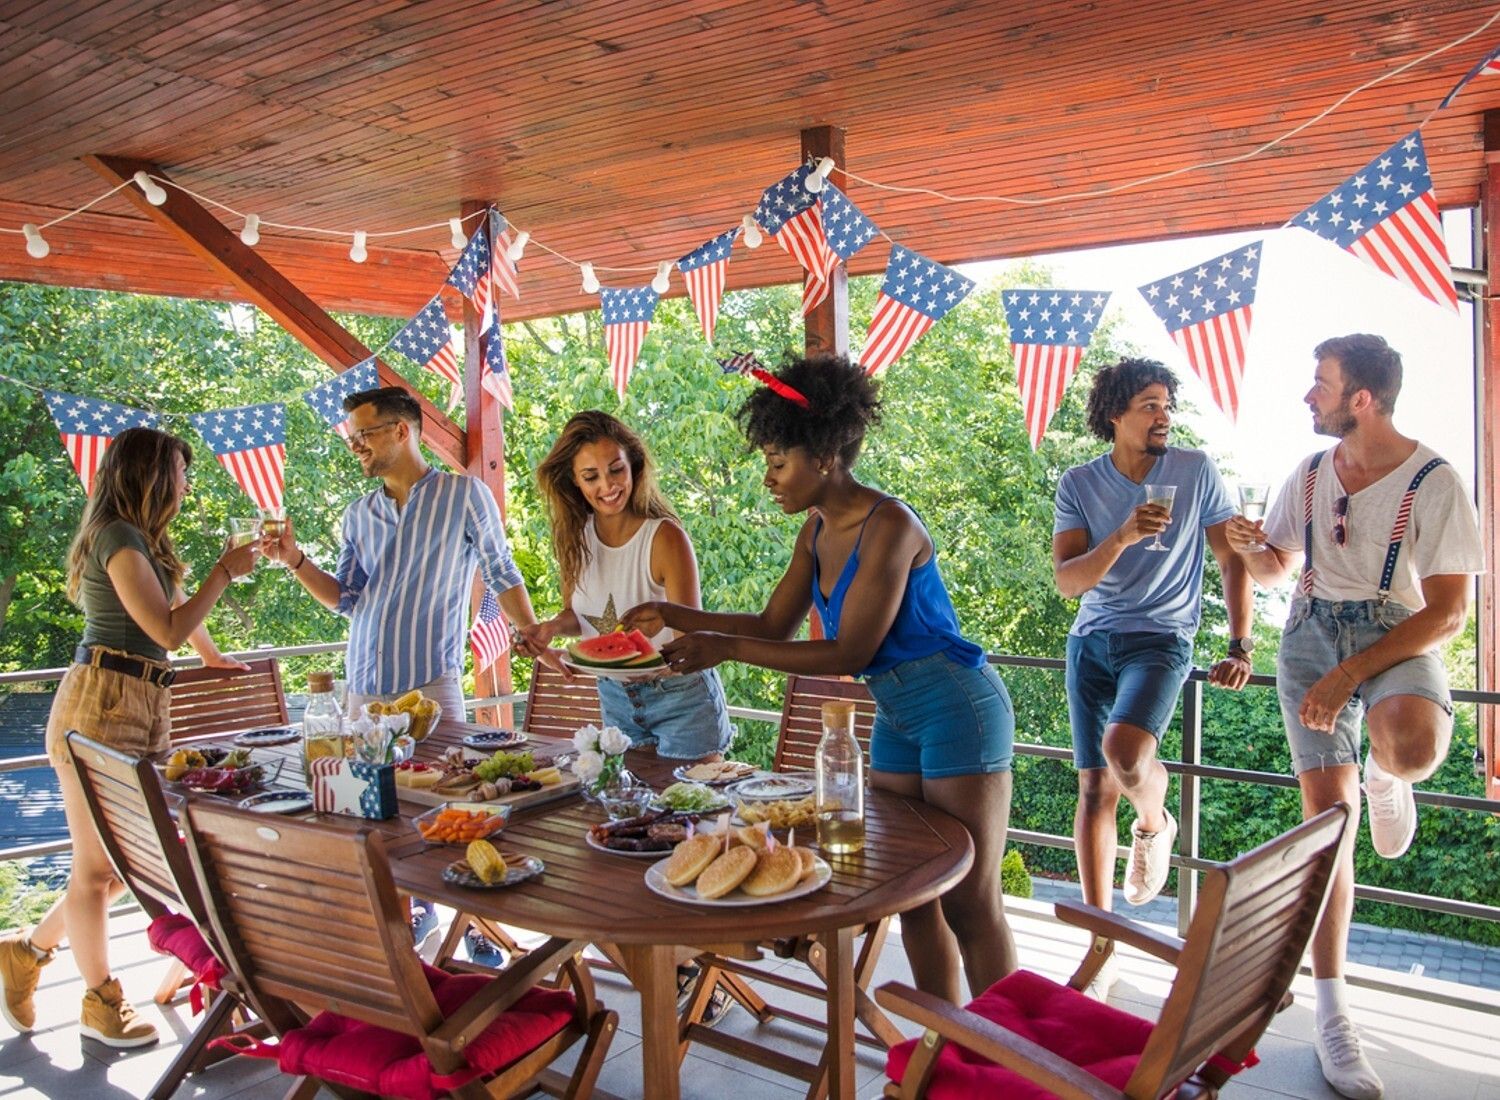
(153, 190)
(250, 234)
(590, 280)
(456, 233)
(357, 252)
(815, 178)
(663, 281)
(36, 246)
(517, 246)
(752, 232)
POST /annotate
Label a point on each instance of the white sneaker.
(1393, 810)
(1345, 1066)
(1150, 860)
(1104, 981)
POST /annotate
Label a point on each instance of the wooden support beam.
(262, 285)
(827, 326)
(485, 433)
(1487, 462)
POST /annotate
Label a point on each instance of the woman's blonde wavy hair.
(134, 483)
(567, 509)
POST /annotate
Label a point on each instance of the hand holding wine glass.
(1253, 499)
(1161, 496)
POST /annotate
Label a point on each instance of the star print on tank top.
(607, 622)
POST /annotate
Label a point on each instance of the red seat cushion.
(347, 1052)
(1093, 1036)
(174, 934)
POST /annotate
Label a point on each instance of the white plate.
(657, 883)
(495, 739)
(588, 838)
(629, 675)
(771, 788)
(681, 772)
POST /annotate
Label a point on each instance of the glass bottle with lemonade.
(840, 796)
(322, 723)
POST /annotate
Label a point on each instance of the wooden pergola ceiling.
(626, 132)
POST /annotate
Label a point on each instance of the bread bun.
(809, 860)
(774, 873)
(725, 872)
(751, 837)
(689, 858)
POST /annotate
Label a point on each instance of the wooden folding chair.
(1254, 917)
(310, 922)
(130, 811)
(796, 750)
(206, 701)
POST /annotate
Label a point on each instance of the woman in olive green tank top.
(125, 574)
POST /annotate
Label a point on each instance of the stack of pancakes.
(748, 863)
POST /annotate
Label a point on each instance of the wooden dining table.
(913, 853)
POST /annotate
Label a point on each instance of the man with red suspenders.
(1389, 544)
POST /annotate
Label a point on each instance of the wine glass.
(1253, 499)
(242, 531)
(1162, 496)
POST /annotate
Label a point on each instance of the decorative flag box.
(343, 786)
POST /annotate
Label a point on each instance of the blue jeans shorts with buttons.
(684, 716)
(1126, 677)
(937, 718)
(1318, 635)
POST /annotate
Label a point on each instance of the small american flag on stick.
(1387, 215)
(88, 426)
(1049, 332)
(250, 442)
(627, 315)
(1207, 311)
(489, 637)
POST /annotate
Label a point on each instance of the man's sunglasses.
(1341, 520)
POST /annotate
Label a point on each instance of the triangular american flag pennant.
(627, 315)
(1387, 215)
(792, 214)
(1489, 63)
(327, 400)
(428, 341)
(502, 271)
(705, 270)
(496, 375)
(471, 274)
(847, 231)
(1049, 332)
(489, 636)
(916, 294)
(1207, 310)
(88, 426)
(250, 442)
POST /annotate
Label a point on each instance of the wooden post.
(212, 242)
(485, 437)
(1488, 459)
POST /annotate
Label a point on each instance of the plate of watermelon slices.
(619, 655)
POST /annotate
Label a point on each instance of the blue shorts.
(683, 716)
(1318, 635)
(1127, 677)
(939, 718)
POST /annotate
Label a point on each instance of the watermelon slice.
(605, 651)
(642, 643)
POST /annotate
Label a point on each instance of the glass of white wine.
(242, 531)
(1253, 500)
(1162, 496)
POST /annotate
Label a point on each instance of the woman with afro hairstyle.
(943, 722)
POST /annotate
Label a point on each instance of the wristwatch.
(1241, 646)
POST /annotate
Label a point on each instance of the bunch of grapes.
(508, 764)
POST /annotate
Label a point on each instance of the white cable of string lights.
(1143, 181)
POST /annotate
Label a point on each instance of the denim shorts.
(1318, 635)
(683, 716)
(939, 718)
(1127, 677)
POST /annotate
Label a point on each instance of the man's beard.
(1156, 450)
(1338, 423)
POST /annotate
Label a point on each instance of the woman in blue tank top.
(943, 722)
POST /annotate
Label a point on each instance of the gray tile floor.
(1424, 1050)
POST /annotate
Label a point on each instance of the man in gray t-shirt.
(1131, 645)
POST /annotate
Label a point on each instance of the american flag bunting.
(627, 315)
(1489, 63)
(489, 636)
(1207, 311)
(1049, 332)
(327, 400)
(705, 270)
(428, 340)
(471, 274)
(916, 294)
(792, 214)
(502, 271)
(88, 426)
(1387, 215)
(250, 442)
(496, 375)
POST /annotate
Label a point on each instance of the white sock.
(1332, 1000)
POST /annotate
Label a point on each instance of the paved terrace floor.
(1424, 1050)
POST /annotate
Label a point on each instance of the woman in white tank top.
(618, 544)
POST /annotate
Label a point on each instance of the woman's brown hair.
(567, 509)
(134, 483)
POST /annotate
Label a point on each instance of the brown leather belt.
(130, 666)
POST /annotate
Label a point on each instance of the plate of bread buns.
(737, 866)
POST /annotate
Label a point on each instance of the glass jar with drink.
(322, 723)
(840, 772)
